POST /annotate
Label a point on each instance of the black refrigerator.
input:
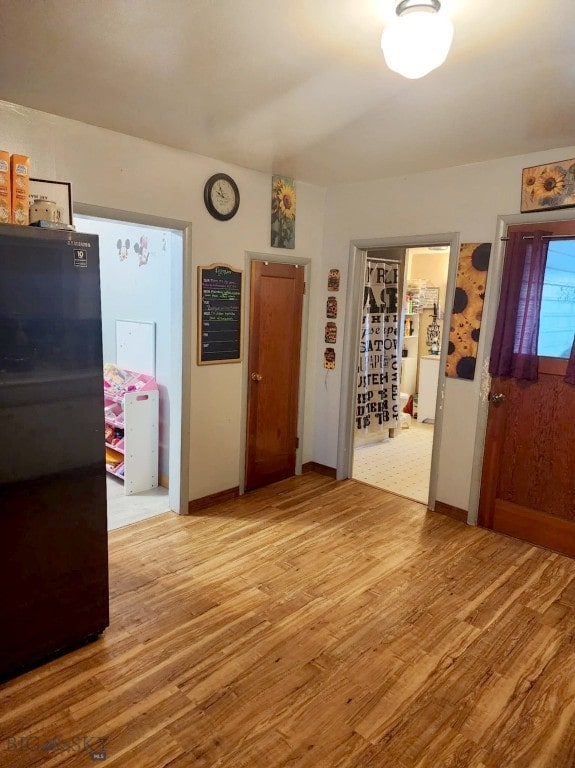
(53, 526)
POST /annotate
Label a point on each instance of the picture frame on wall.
(548, 187)
(429, 297)
(58, 192)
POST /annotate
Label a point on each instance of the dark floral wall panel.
(467, 310)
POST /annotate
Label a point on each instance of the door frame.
(305, 263)
(493, 289)
(350, 357)
(179, 472)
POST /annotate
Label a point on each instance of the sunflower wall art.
(283, 212)
(549, 186)
(467, 310)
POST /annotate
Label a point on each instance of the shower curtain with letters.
(377, 396)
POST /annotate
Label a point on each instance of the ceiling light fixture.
(418, 39)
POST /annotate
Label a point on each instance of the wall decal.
(123, 249)
(141, 249)
(333, 280)
(330, 333)
(283, 212)
(329, 358)
(331, 307)
(467, 310)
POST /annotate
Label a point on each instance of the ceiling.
(301, 87)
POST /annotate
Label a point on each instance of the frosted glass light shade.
(417, 42)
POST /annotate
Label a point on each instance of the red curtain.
(514, 350)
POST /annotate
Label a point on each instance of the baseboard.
(214, 498)
(454, 512)
(321, 469)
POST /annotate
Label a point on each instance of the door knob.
(496, 398)
(256, 377)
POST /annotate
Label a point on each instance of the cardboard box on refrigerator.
(20, 178)
(5, 193)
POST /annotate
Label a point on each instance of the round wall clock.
(222, 196)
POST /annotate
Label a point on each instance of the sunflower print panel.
(467, 310)
(283, 212)
(544, 187)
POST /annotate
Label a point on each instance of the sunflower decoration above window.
(283, 212)
(549, 186)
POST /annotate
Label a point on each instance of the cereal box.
(5, 198)
(20, 178)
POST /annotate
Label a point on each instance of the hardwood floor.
(313, 623)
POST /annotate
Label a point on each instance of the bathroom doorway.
(400, 458)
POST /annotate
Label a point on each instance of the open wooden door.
(528, 479)
(274, 365)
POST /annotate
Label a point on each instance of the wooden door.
(528, 479)
(274, 363)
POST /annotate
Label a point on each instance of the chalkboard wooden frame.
(220, 289)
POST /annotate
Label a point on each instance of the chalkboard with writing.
(219, 314)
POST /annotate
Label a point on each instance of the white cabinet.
(408, 375)
(131, 417)
(428, 381)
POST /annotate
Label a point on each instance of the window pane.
(557, 320)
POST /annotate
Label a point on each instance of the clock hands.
(221, 193)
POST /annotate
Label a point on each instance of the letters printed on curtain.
(377, 403)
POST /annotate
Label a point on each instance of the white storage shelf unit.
(134, 417)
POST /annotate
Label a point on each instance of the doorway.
(142, 267)
(528, 485)
(399, 459)
(411, 439)
(273, 397)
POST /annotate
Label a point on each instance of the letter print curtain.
(377, 401)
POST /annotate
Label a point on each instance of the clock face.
(222, 196)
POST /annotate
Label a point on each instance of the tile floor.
(124, 510)
(401, 464)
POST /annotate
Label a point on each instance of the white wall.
(116, 171)
(466, 199)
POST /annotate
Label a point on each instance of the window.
(557, 317)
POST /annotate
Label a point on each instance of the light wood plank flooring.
(314, 623)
